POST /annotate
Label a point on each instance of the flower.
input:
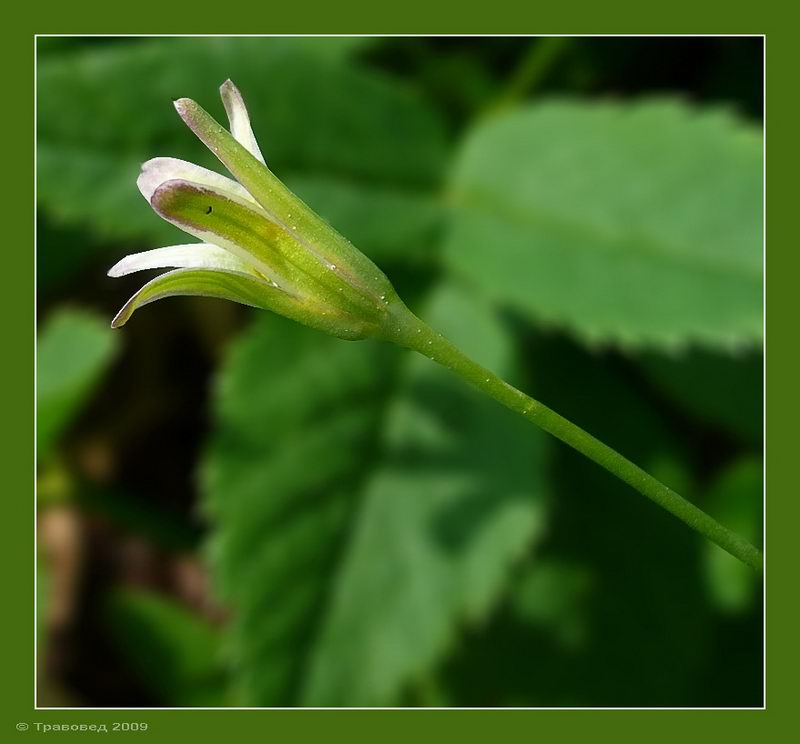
(261, 245)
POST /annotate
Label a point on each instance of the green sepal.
(286, 209)
(225, 220)
(230, 285)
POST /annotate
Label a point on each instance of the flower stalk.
(416, 335)
(262, 246)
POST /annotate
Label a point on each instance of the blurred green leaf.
(437, 510)
(104, 110)
(736, 498)
(297, 416)
(551, 594)
(634, 223)
(649, 624)
(395, 226)
(724, 390)
(74, 349)
(634, 626)
(456, 497)
(172, 650)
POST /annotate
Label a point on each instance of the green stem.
(416, 335)
(539, 59)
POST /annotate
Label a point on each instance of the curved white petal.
(239, 118)
(188, 256)
(160, 170)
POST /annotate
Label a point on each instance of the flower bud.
(260, 244)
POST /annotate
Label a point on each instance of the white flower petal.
(188, 256)
(160, 170)
(239, 118)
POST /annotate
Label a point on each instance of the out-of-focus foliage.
(455, 497)
(74, 349)
(630, 591)
(173, 652)
(638, 223)
(733, 497)
(357, 144)
(297, 416)
(265, 515)
(438, 509)
(715, 387)
(551, 595)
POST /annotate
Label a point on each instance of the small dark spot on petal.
(208, 211)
